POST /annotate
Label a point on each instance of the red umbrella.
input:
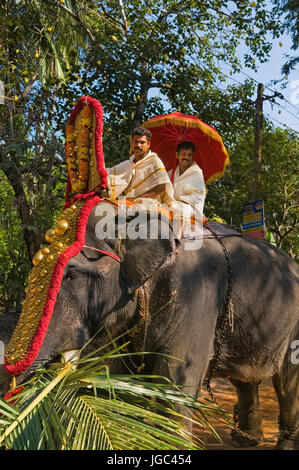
(169, 130)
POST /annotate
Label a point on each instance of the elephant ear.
(143, 257)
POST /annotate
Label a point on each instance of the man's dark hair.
(186, 145)
(140, 132)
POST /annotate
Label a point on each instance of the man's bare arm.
(154, 192)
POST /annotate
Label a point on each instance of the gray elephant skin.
(185, 291)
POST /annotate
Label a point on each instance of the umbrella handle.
(172, 174)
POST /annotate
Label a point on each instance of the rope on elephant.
(144, 313)
(224, 319)
(143, 301)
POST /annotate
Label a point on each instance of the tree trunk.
(257, 161)
(145, 86)
(24, 210)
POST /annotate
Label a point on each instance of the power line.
(281, 123)
(284, 99)
(291, 104)
(272, 118)
(276, 94)
(270, 89)
(294, 115)
(233, 79)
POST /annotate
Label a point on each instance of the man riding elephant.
(143, 177)
(188, 182)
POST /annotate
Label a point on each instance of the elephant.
(181, 293)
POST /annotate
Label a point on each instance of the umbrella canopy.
(169, 130)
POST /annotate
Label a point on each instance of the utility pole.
(253, 212)
(257, 158)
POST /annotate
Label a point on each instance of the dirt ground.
(226, 397)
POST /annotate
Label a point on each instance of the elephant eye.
(70, 275)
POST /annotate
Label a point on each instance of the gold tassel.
(140, 368)
(13, 384)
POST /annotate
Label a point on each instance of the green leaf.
(89, 409)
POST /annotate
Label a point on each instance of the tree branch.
(116, 23)
(160, 85)
(123, 13)
(74, 16)
(26, 91)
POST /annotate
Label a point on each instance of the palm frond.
(88, 408)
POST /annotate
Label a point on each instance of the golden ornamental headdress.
(86, 172)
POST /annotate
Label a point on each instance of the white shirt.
(189, 187)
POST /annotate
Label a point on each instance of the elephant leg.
(247, 415)
(166, 367)
(286, 385)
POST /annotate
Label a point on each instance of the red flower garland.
(10, 394)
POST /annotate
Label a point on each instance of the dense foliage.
(290, 11)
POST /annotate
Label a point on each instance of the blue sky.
(271, 70)
(286, 112)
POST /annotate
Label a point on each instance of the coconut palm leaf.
(89, 409)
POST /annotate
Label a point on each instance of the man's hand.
(155, 192)
(102, 192)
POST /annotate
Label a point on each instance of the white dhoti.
(189, 194)
(130, 179)
(189, 189)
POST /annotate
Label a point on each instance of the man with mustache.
(142, 178)
(188, 181)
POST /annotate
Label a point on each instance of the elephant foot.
(250, 438)
(288, 440)
(287, 444)
(248, 430)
